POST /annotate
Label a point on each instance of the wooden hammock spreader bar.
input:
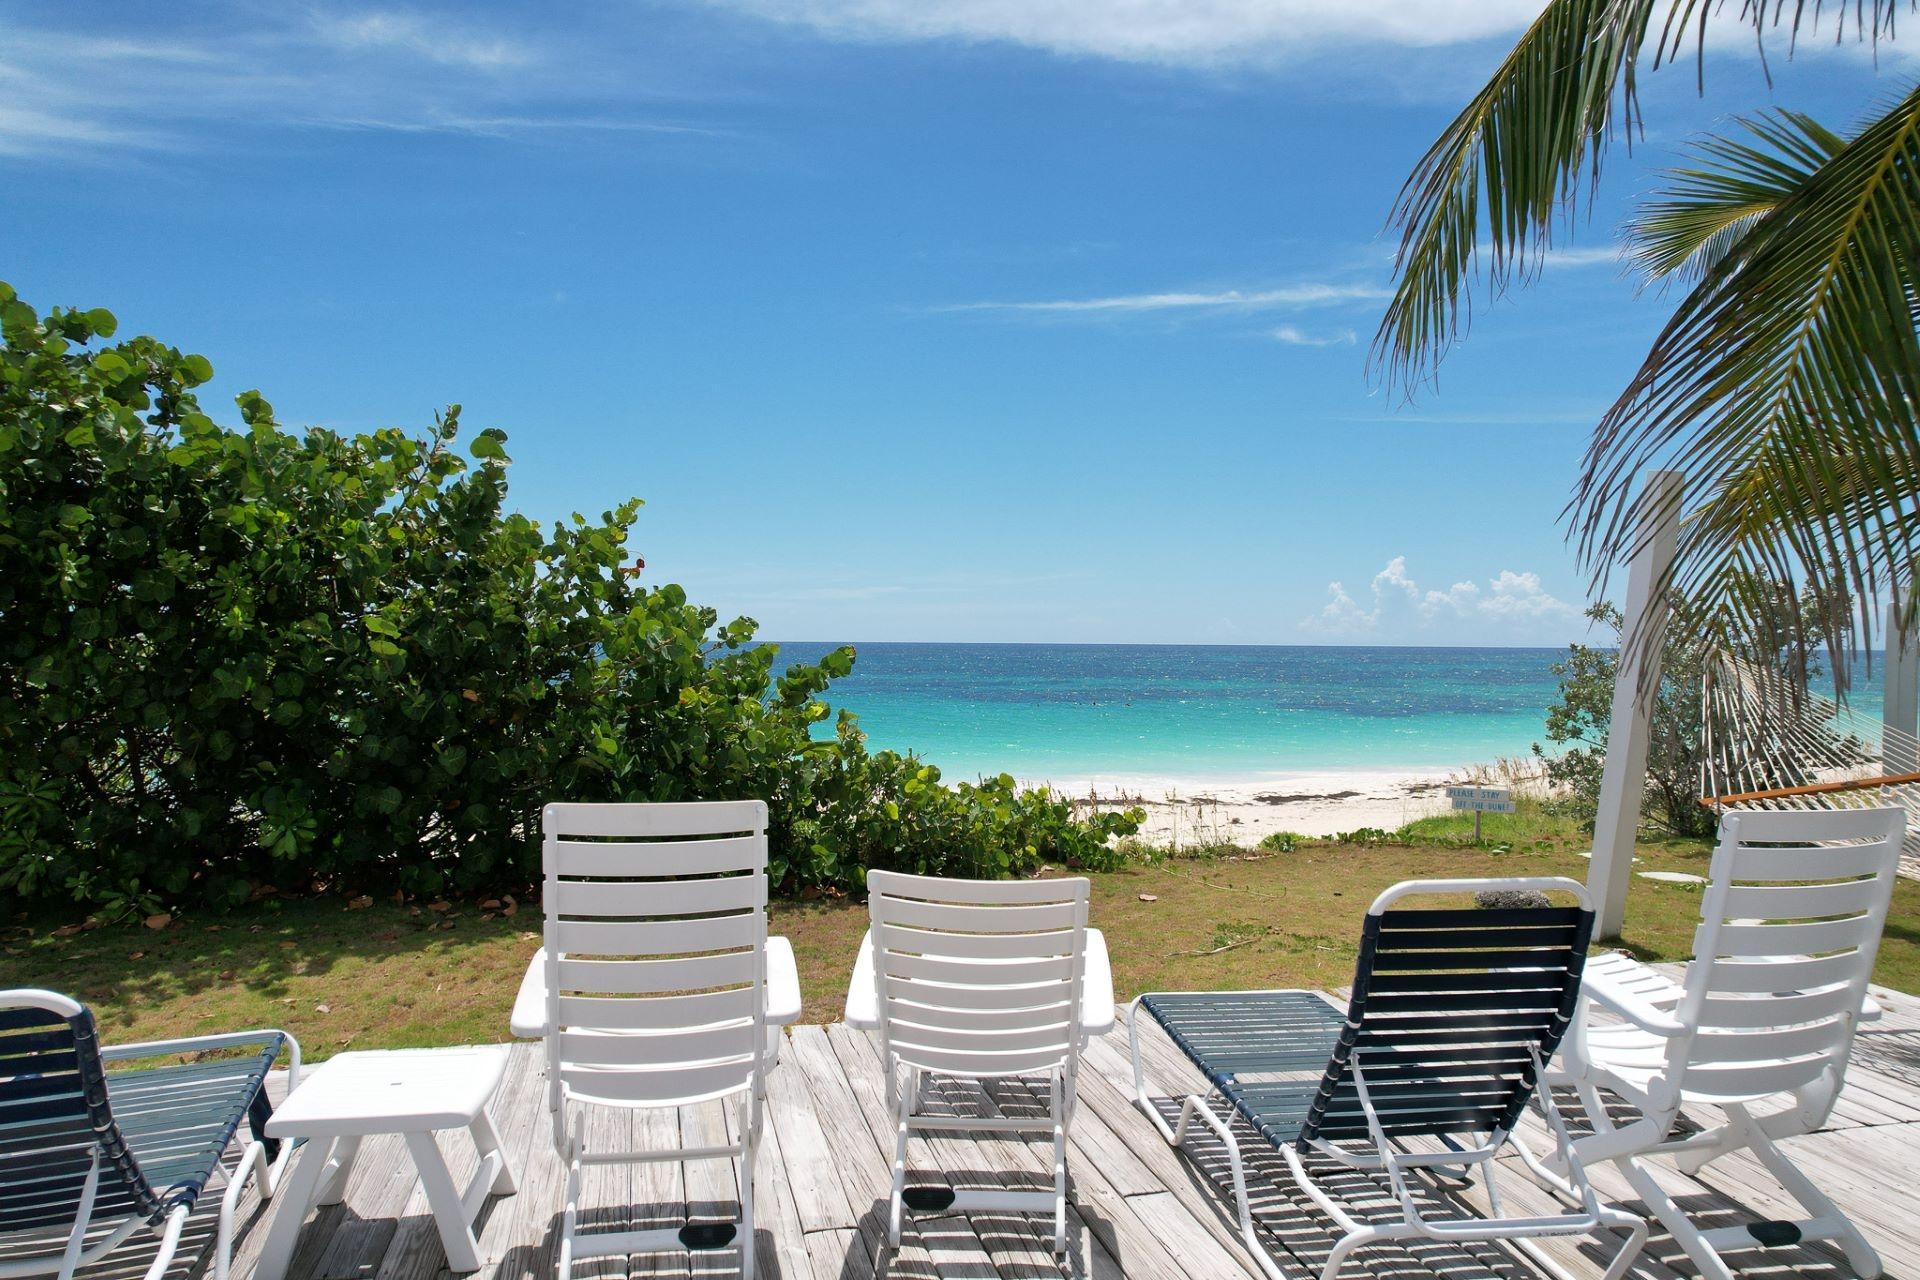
(1813, 789)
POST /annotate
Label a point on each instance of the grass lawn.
(391, 975)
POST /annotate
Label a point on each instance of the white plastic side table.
(414, 1093)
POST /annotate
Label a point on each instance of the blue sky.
(983, 320)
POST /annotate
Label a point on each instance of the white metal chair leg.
(1176, 1136)
(253, 1167)
(77, 1238)
(1352, 1240)
(1194, 1106)
(169, 1242)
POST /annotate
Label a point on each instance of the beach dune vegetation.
(240, 658)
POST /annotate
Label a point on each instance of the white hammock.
(1769, 746)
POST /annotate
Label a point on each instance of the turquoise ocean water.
(1222, 712)
(1201, 711)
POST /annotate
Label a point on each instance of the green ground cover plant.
(242, 659)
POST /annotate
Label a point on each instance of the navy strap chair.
(90, 1155)
(1455, 1012)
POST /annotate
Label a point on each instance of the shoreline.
(1319, 802)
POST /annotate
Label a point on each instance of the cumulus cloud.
(1512, 607)
(1169, 32)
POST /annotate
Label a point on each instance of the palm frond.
(1785, 389)
(1709, 205)
(1481, 206)
(1503, 169)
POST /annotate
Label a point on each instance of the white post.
(1902, 713)
(1636, 682)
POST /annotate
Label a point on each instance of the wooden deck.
(1143, 1211)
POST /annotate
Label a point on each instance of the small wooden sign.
(1482, 799)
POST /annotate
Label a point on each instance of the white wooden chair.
(1790, 924)
(979, 979)
(656, 954)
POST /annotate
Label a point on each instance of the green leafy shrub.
(1282, 841)
(236, 657)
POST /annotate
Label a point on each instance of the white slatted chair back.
(656, 939)
(1790, 926)
(978, 977)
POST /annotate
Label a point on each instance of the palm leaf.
(1504, 167)
(1481, 205)
(1784, 388)
(1707, 207)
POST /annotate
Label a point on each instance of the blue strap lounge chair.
(1454, 1013)
(89, 1155)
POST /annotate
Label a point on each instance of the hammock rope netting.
(1769, 745)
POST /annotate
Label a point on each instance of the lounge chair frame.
(69, 1041)
(1362, 1086)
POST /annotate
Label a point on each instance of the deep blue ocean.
(1192, 711)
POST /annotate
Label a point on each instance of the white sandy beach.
(1182, 812)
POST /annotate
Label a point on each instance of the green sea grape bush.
(232, 658)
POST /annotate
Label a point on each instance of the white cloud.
(74, 97)
(1175, 32)
(1285, 298)
(415, 34)
(1295, 336)
(435, 121)
(1610, 255)
(1513, 607)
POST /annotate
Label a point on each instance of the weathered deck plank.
(1141, 1211)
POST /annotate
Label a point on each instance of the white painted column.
(1622, 786)
(1903, 691)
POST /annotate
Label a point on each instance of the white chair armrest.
(528, 1020)
(189, 1044)
(783, 983)
(1096, 990)
(863, 1009)
(1632, 991)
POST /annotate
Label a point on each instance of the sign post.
(1481, 800)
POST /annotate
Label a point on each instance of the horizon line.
(1160, 644)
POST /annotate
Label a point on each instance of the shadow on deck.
(1142, 1211)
